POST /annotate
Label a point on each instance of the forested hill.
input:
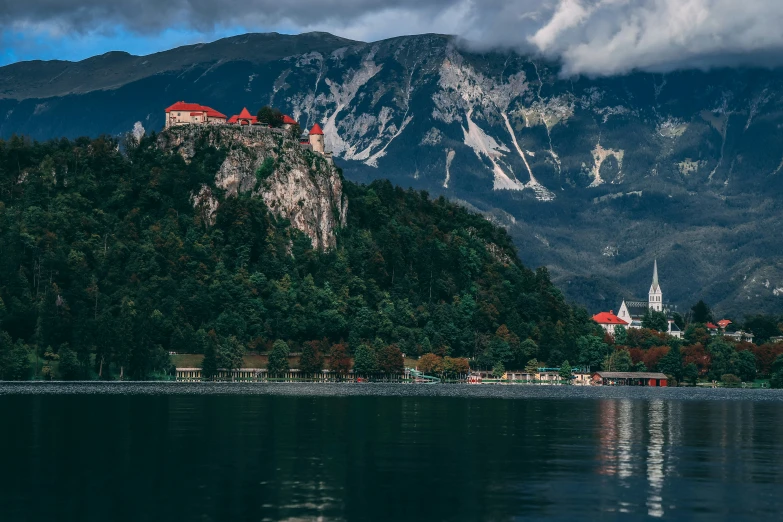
(105, 262)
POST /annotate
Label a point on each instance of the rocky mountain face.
(294, 183)
(592, 177)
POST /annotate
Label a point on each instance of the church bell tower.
(655, 298)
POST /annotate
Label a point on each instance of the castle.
(184, 113)
(632, 311)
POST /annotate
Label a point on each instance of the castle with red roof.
(184, 113)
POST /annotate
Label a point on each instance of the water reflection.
(635, 441)
(257, 457)
(655, 459)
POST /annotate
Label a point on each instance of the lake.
(223, 452)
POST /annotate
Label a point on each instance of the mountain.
(594, 178)
(222, 239)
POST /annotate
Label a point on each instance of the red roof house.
(711, 326)
(723, 323)
(609, 321)
(288, 120)
(608, 318)
(316, 130)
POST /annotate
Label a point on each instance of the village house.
(720, 330)
(609, 321)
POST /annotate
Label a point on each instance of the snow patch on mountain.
(449, 158)
(464, 89)
(342, 94)
(600, 155)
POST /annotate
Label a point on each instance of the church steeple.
(655, 299)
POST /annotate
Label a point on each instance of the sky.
(590, 37)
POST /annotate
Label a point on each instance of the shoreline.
(344, 390)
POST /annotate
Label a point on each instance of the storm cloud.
(593, 37)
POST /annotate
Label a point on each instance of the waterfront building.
(650, 379)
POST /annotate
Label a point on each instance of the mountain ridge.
(593, 177)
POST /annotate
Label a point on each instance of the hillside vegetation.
(106, 266)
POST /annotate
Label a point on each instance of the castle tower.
(655, 298)
(317, 139)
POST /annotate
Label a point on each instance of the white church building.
(632, 310)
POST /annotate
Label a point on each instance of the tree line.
(702, 353)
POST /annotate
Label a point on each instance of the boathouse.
(630, 379)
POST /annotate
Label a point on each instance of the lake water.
(204, 452)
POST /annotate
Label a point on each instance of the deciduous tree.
(390, 360)
(430, 364)
(592, 351)
(339, 361)
(312, 359)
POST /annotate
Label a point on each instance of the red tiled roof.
(608, 318)
(194, 109)
(711, 326)
(316, 130)
(723, 323)
(288, 120)
(243, 117)
(212, 113)
(184, 107)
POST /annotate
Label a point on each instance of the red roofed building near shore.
(609, 321)
(183, 113)
(723, 323)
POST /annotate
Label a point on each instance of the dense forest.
(106, 268)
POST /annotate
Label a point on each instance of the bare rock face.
(295, 183)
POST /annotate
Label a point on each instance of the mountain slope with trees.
(106, 266)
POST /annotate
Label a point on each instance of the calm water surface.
(256, 452)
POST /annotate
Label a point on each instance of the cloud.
(593, 37)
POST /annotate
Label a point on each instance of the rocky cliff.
(295, 183)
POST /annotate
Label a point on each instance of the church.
(632, 311)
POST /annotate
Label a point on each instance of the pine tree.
(209, 365)
(70, 368)
(671, 363)
(278, 358)
(365, 361)
(565, 372)
(312, 359)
